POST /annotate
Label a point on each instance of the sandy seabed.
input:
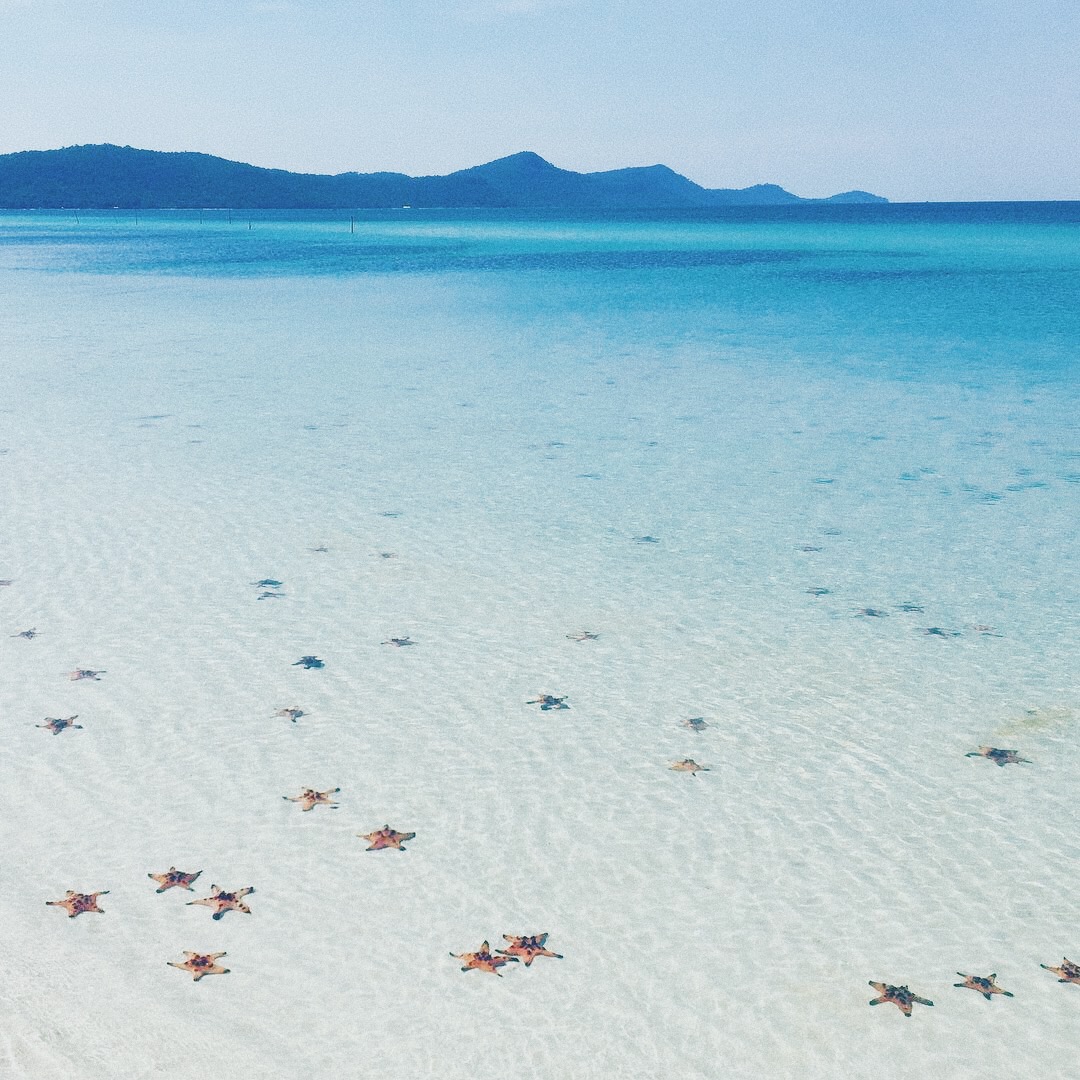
(483, 488)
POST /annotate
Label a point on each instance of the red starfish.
(310, 798)
(900, 996)
(1068, 972)
(528, 948)
(76, 902)
(174, 879)
(222, 901)
(386, 838)
(200, 964)
(482, 960)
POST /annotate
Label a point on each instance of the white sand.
(718, 925)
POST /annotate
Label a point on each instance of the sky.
(912, 99)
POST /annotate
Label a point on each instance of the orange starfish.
(688, 765)
(58, 724)
(528, 948)
(1068, 972)
(174, 879)
(84, 673)
(77, 902)
(482, 960)
(310, 797)
(900, 996)
(983, 985)
(386, 838)
(200, 964)
(222, 901)
(999, 757)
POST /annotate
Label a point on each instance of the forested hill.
(121, 176)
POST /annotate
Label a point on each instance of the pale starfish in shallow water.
(1067, 973)
(84, 673)
(482, 960)
(28, 634)
(76, 902)
(222, 901)
(174, 879)
(58, 724)
(311, 798)
(999, 757)
(695, 723)
(583, 635)
(983, 984)
(528, 948)
(688, 765)
(398, 642)
(900, 996)
(309, 662)
(200, 964)
(292, 712)
(386, 838)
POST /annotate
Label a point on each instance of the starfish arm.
(206, 901)
(921, 1001)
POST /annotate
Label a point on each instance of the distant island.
(108, 176)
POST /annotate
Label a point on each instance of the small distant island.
(105, 176)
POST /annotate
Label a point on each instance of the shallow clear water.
(877, 402)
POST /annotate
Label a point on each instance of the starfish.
(28, 634)
(222, 901)
(174, 879)
(386, 838)
(398, 642)
(387, 554)
(688, 765)
(77, 902)
(985, 986)
(267, 595)
(646, 539)
(695, 723)
(909, 607)
(268, 583)
(482, 960)
(583, 635)
(293, 712)
(940, 631)
(818, 590)
(810, 547)
(309, 662)
(200, 964)
(871, 613)
(900, 996)
(546, 701)
(321, 549)
(528, 948)
(6, 582)
(58, 724)
(1068, 972)
(310, 797)
(84, 673)
(999, 757)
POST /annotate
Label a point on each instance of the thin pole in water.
(352, 225)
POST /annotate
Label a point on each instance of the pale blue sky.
(915, 99)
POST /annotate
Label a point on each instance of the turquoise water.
(811, 475)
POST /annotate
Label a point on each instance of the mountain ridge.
(106, 175)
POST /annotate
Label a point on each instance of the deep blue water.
(926, 290)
